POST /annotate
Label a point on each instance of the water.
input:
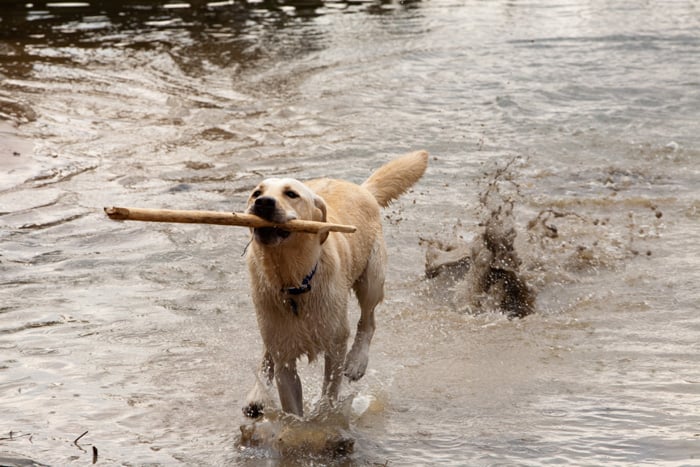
(144, 335)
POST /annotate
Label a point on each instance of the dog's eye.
(291, 194)
(256, 193)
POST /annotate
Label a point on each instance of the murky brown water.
(144, 335)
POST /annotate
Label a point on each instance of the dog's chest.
(305, 324)
(297, 313)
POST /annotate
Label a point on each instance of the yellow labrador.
(301, 282)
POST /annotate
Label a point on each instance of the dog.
(301, 282)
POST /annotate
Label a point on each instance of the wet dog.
(301, 282)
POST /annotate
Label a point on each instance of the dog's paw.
(355, 368)
(254, 410)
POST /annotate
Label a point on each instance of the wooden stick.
(220, 218)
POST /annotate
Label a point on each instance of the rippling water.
(144, 335)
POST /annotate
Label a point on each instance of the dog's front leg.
(258, 397)
(289, 387)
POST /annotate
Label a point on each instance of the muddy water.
(144, 336)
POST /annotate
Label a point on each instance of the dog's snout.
(265, 206)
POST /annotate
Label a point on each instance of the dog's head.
(280, 200)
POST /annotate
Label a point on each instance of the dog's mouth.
(270, 235)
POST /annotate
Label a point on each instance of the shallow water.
(144, 335)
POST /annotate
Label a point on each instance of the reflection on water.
(225, 33)
(144, 335)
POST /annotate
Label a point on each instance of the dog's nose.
(265, 202)
(265, 206)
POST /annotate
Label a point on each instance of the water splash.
(322, 435)
(488, 270)
(551, 240)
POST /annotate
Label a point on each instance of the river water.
(584, 116)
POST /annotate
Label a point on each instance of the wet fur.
(317, 323)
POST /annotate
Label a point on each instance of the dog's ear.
(320, 206)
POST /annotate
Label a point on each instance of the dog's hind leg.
(289, 387)
(258, 396)
(369, 289)
(333, 371)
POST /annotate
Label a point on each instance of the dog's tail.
(393, 179)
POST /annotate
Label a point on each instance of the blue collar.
(302, 289)
(305, 284)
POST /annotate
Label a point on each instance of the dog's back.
(349, 204)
